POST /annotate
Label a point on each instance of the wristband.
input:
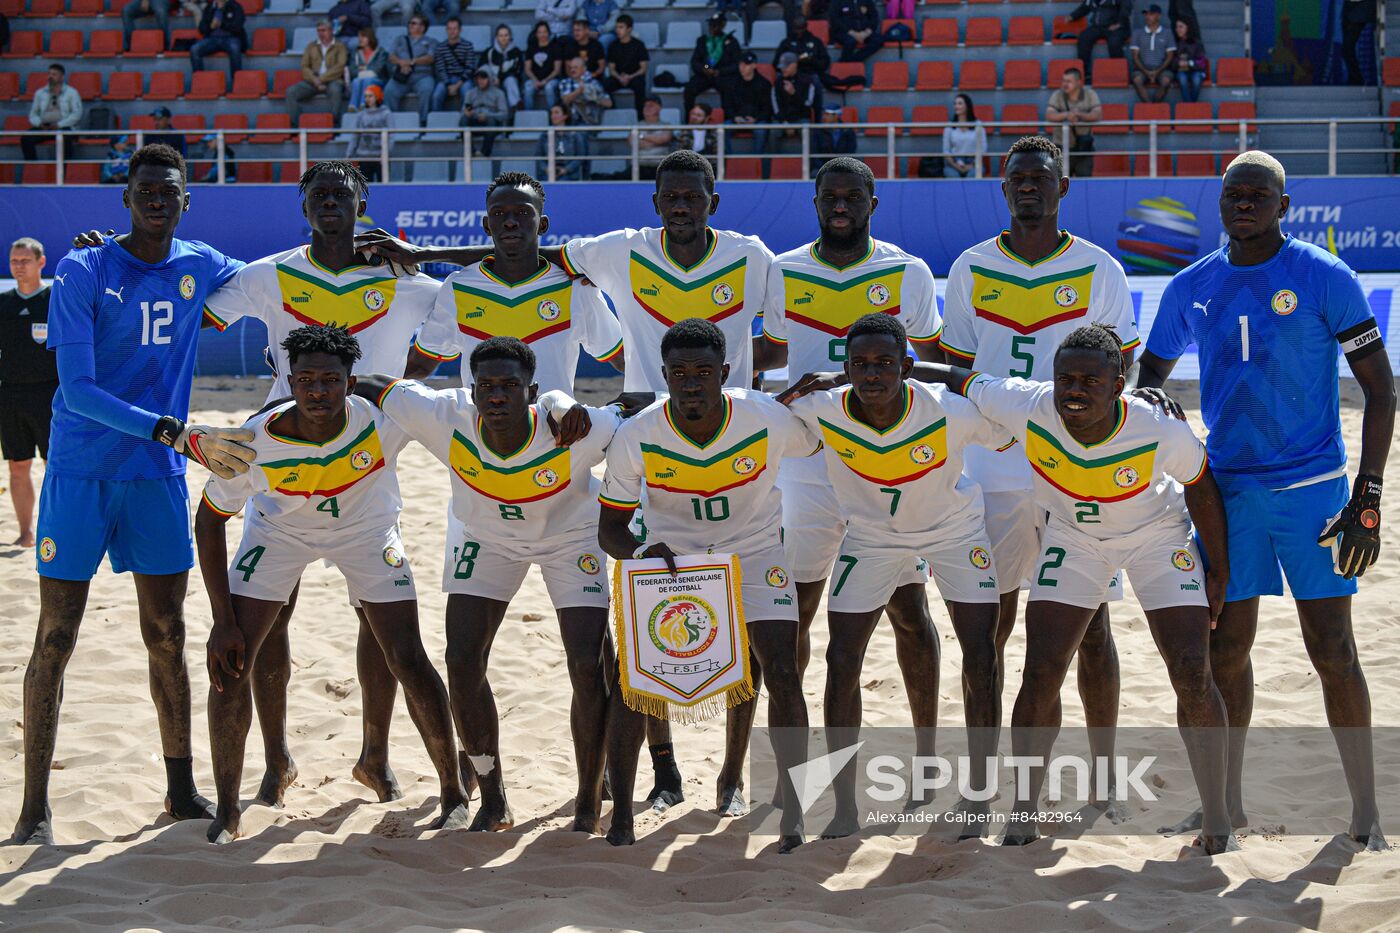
(641, 549)
(168, 430)
(1366, 493)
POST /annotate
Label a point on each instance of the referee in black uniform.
(28, 377)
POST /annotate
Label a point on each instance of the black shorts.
(25, 411)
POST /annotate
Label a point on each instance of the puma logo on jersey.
(666, 474)
(302, 298)
(991, 295)
(1048, 462)
(116, 294)
(806, 299)
(62, 279)
(652, 291)
(479, 312)
(1133, 229)
(1203, 307)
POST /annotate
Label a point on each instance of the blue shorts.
(142, 525)
(1277, 530)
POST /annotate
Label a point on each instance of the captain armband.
(1361, 341)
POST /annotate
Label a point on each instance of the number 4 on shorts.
(249, 562)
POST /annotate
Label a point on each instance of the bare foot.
(845, 823)
(380, 780)
(1192, 824)
(33, 831)
(621, 833)
(492, 817)
(224, 829)
(195, 807)
(730, 802)
(1020, 838)
(973, 817)
(587, 823)
(24, 540)
(464, 765)
(1216, 845)
(1114, 810)
(275, 783)
(1373, 840)
(787, 843)
(453, 816)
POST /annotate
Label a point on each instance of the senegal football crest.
(777, 577)
(1284, 302)
(878, 295)
(374, 299)
(535, 479)
(548, 310)
(1110, 478)
(745, 465)
(1066, 296)
(1029, 305)
(921, 453)
(1125, 477)
(487, 312)
(670, 299)
(682, 626)
(979, 558)
(589, 564)
(187, 287)
(356, 304)
(545, 477)
(1183, 561)
(329, 475)
(361, 460)
(832, 306)
(722, 294)
(47, 550)
(393, 556)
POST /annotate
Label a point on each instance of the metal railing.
(733, 145)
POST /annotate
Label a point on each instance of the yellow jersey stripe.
(215, 509)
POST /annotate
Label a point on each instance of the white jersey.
(652, 291)
(295, 485)
(905, 481)
(1006, 317)
(290, 289)
(552, 313)
(1129, 481)
(519, 499)
(719, 497)
(811, 303)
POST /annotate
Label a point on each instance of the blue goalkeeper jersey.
(1268, 342)
(143, 321)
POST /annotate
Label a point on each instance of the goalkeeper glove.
(397, 269)
(218, 450)
(1354, 534)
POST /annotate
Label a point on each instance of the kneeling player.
(322, 486)
(708, 458)
(523, 494)
(894, 453)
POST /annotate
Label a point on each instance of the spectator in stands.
(369, 67)
(751, 100)
(366, 147)
(454, 64)
(570, 150)
(1153, 50)
(602, 20)
(165, 133)
(1356, 16)
(1190, 60)
(714, 63)
(140, 9)
(628, 59)
(964, 142)
(348, 17)
(412, 58)
(899, 9)
(1079, 106)
(793, 93)
(56, 106)
(1184, 9)
(323, 65)
(584, 96)
(813, 59)
(559, 15)
(855, 26)
(221, 30)
(484, 105)
(115, 169)
(654, 142)
(208, 150)
(378, 8)
(1108, 20)
(506, 64)
(542, 67)
(448, 8)
(581, 44)
(702, 137)
(831, 139)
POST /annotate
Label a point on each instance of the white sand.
(336, 858)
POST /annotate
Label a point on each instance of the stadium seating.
(1234, 72)
(104, 43)
(1025, 30)
(889, 76)
(1390, 72)
(1195, 163)
(247, 85)
(1021, 75)
(974, 75)
(880, 114)
(1193, 111)
(146, 43)
(207, 85)
(929, 113)
(983, 31)
(939, 33)
(65, 43)
(1233, 111)
(1027, 117)
(934, 76)
(1110, 73)
(123, 85)
(25, 44)
(9, 85)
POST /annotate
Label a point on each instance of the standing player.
(124, 321)
(322, 487)
(707, 458)
(893, 452)
(28, 378)
(523, 494)
(327, 281)
(1009, 302)
(1267, 312)
(815, 293)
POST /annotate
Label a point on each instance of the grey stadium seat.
(679, 36)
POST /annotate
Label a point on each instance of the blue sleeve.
(1344, 303)
(221, 267)
(1171, 335)
(77, 377)
(72, 302)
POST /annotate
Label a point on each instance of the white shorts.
(813, 529)
(963, 566)
(1162, 564)
(1015, 525)
(574, 568)
(768, 591)
(271, 560)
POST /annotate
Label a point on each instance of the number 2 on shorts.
(1057, 557)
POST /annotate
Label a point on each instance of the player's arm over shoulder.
(1007, 401)
(970, 423)
(1183, 454)
(245, 293)
(795, 437)
(592, 257)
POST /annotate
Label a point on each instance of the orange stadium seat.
(1142, 165)
(254, 7)
(248, 85)
(821, 29)
(977, 76)
(191, 124)
(288, 172)
(1111, 166)
(1113, 112)
(271, 121)
(255, 173)
(786, 169)
(929, 113)
(1195, 164)
(889, 76)
(88, 84)
(934, 76)
(983, 30)
(1110, 73)
(47, 9)
(939, 32)
(1025, 30)
(882, 114)
(1027, 117)
(325, 121)
(1232, 112)
(82, 173)
(949, 2)
(1064, 25)
(85, 8)
(1143, 113)
(1055, 71)
(166, 85)
(104, 43)
(737, 169)
(146, 43)
(40, 173)
(281, 80)
(65, 43)
(1200, 110)
(850, 115)
(33, 82)
(143, 122)
(1390, 72)
(25, 44)
(234, 122)
(123, 85)
(984, 1)
(207, 85)
(176, 35)
(768, 71)
(1021, 74)
(9, 85)
(1234, 72)
(14, 124)
(268, 40)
